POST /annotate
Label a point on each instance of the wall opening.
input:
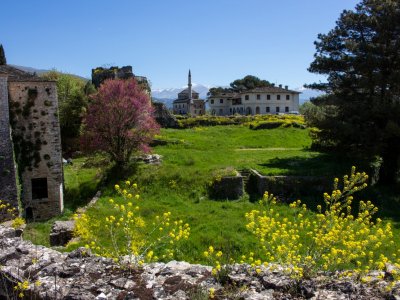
(39, 188)
(29, 214)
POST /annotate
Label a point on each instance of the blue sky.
(220, 40)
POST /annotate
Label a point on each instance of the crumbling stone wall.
(230, 187)
(80, 275)
(37, 144)
(8, 185)
(287, 187)
(99, 75)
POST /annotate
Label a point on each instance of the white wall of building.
(256, 103)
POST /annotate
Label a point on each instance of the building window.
(221, 111)
(277, 109)
(39, 188)
(286, 108)
(268, 97)
(278, 97)
(195, 111)
(230, 110)
(267, 109)
(212, 101)
(246, 97)
(221, 100)
(287, 97)
(258, 96)
(257, 110)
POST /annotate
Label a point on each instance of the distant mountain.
(172, 93)
(42, 71)
(167, 96)
(166, 101)
(307, 94)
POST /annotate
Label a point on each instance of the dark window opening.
(258, 97)
(32, 94)
(287, 97)
(277, 109)
(212, 101)
(39, 188)
(29, 214)
(278, 97)
(221, 100)
(267, 109)
(286, 108)
(246, 97)
(268, 97)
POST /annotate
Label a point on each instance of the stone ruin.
(30, 137)
(81, 275)
(100, 74)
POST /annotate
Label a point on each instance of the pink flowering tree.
(119, 120)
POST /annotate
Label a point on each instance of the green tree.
(3, 60)
(72, 94)
(218, 90)
(249, 82)
(361, 58)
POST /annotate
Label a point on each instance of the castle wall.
(8, 185)
(37, 144)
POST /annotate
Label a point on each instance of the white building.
(188, 102)
(258, 101)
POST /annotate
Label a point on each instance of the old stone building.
(257, 101)
(188, 102)
(29, 111)
(100, 74)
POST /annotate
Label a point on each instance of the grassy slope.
(190, 161)
(179, 183)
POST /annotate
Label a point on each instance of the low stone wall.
(80, 275)
(287, 186)
(230, 188)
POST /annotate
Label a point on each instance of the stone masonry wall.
(8, 185)
(287, 187)
(80, 275)
(37, 133)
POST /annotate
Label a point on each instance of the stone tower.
(190, 87)
(29, 106)
(8, 184)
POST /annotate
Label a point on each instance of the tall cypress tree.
(3, 60)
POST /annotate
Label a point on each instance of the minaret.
(190, 87)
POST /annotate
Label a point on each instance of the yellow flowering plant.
(8, 212)
(220, 264)
(124, 235)
(333, 239)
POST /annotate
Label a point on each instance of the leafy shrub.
(252, 121)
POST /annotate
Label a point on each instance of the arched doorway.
(248, 111)
(257, 110)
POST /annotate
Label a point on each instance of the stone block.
(61, 233)
(230, 188)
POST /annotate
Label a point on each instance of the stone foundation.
(230, 188)
(287, 187)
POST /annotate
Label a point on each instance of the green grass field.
(179, 184)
